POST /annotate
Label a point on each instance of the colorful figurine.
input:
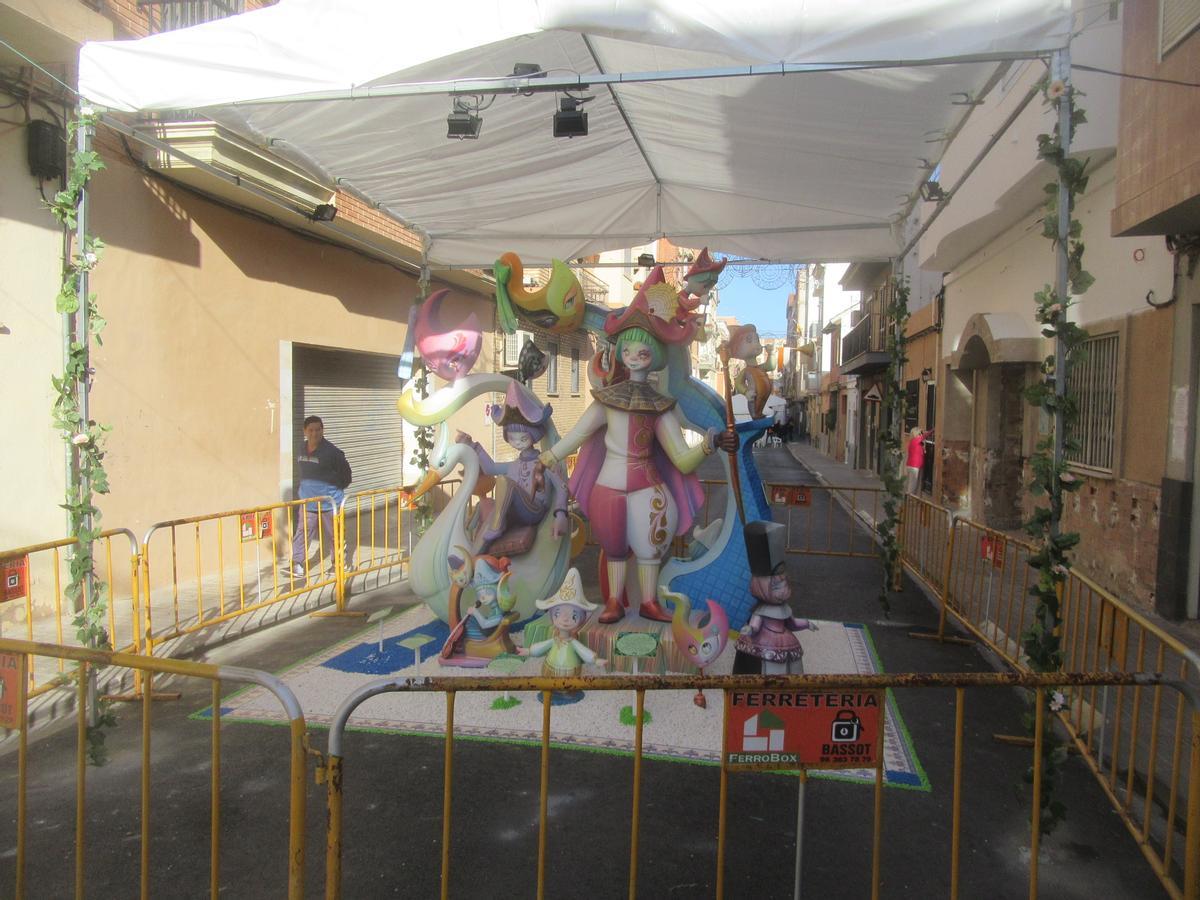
(700, 279)
(482, 634)
(565, 655)
(703, 642)
(753, 382)
(525, 488)
(767, 644)
(448, 353)
(558, 305)
(633, 479)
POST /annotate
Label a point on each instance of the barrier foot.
(1021, 740)
(130, 698)
(942, 639)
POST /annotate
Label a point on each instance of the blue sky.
(749, 303)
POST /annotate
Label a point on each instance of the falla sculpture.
(634, 479)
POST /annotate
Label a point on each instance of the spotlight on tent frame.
(932, 191)
(571, 121)
(462, 123)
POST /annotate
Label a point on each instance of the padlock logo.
(846, 727)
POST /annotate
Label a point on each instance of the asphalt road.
(393, 795)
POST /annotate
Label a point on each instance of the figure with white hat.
(565, 655)
(767, 643)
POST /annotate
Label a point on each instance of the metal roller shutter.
(355, 395)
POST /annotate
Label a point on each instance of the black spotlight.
(324, 212)
(645, 260)
(462, 124)
(570, 121)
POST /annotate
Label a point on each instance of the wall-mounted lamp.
(926, 376)
(324, 212)
(932, 191)
(571, 121)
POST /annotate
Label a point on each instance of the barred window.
(552, 372)
(1093, 385)
(575, 370)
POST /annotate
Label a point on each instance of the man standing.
(324, 472)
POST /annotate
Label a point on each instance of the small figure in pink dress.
(768, 644)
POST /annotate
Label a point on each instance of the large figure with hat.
(633, 479)
(768, 644)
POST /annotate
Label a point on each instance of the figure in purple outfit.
(767, 643)
(525, 487)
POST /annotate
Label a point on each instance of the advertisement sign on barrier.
(991, 549)
(12, 689)
(15, 575)
(791, 494)
(256, 526)
(811, 729)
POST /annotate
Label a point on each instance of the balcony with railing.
(170, 15)
(864, 349)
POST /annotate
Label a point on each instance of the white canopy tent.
(689, 136)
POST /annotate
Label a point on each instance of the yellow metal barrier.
(203, 570)
(378, 531)
(35, 605)
(86, 660)
(925, 534)
(822, 520)
(825, 520)
(1133, 742)
(334, 764)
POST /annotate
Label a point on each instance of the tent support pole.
(1061, 71)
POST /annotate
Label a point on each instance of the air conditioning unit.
(855, 317)
(512, 347)
(812, 382)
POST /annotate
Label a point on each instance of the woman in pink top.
(915, 458)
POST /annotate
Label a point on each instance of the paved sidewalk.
(829, 471)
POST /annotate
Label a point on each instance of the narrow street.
(393, 791)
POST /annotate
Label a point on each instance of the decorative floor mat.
(599, 721)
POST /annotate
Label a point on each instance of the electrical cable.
(1101, 71)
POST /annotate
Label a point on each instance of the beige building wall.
(1006, 273)
(203, 305)
(32, 453)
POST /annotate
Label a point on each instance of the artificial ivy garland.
(1051, 476)
(85, 438)
(895, 402)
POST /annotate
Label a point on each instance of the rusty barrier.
(1132, 740)
(20, 654)
(334, 769)
(37, 609)
(200, 571)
